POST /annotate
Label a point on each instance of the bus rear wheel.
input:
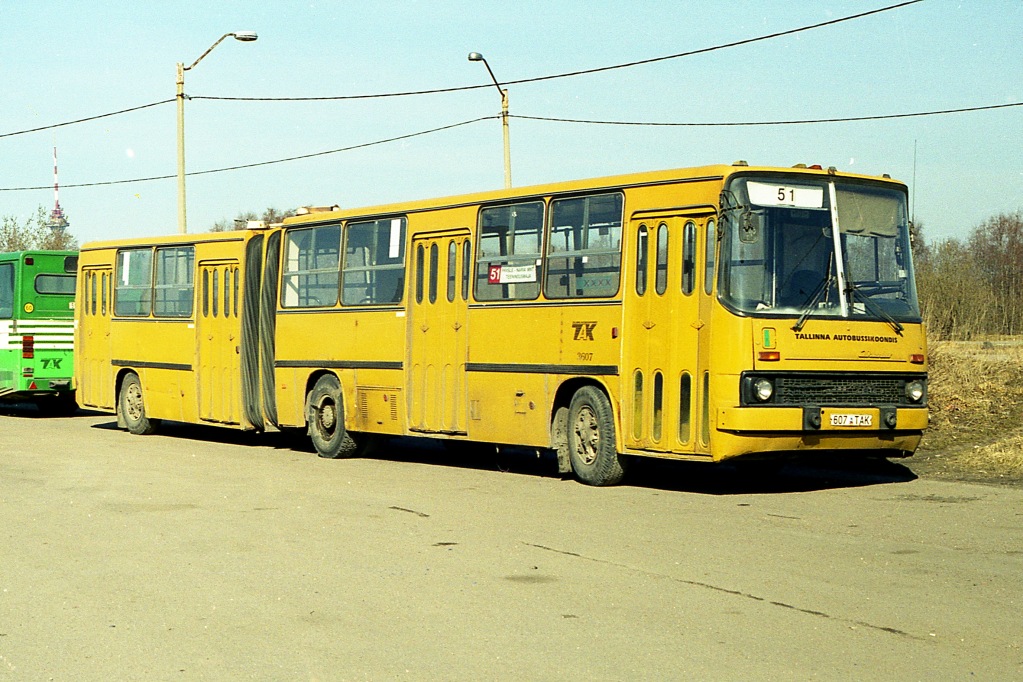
(327, 420)
(132, 409)
(591, 439)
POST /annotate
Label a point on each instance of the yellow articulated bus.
(704, 314)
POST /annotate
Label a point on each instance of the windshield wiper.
(812, 302)
(874, 307)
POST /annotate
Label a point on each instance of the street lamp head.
(245, 36)
(475, 57)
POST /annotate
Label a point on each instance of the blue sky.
(61, 61)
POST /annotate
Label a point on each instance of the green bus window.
(508, 253)
(584, 253)
(661, 279)
(133, 283)
(374, 267)
(420, 264)
(658, 405)
(642, 256)
(62, 285)
(689, 258)
(312, 261)
(637, 404)
(7, 290)
(685, 406)
(174, 285)
(452, 269)
(708, 277)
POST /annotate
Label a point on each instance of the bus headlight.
(763, 389)
(915, 391)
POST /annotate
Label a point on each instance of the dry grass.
(976, 401)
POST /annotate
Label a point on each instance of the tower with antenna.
(58, 222)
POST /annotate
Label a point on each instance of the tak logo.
(51, 363)
(584, 330)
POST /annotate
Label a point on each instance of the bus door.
(437, 332)
(661, 336)
(218, 329)
(96, 375)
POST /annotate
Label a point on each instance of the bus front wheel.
(591, 439)
(132, 409)
(327, 420)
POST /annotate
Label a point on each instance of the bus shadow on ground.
(791, 476)
(794, 476)
(657, 474)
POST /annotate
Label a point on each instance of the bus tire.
(591, 439)
(326, 420)
(131, 407)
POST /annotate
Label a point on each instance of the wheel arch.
(310, 383)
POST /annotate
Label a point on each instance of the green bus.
(37, 309)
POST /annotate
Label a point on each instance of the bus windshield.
(779, 256)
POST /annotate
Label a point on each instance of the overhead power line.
(260, 163)
(535, 79)
(532, 118)
(581, 72)
(88, 118)
(846, 119)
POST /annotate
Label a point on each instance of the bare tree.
(998, 246)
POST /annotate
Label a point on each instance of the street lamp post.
(477, 57)
(245, 37)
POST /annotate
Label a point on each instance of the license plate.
(852, 420)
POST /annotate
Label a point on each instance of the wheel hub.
(587, 435)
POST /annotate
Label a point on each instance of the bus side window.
(215, 293)
(466, 268)
(708, 277)
(452, 269)
(312, 263)
(685, 406)
(235, 292)
(102, 293)
(584, 255)
(642, 257)
(133, 286)
(6, 290)
(508, 253)
(174, 285)
(89, 294)
(689, 258)
(374, 267)
(420, 264)
(661, 278)
(205, 292)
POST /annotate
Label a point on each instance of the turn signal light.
(769, 356)
(917, 358)
(28, 347)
